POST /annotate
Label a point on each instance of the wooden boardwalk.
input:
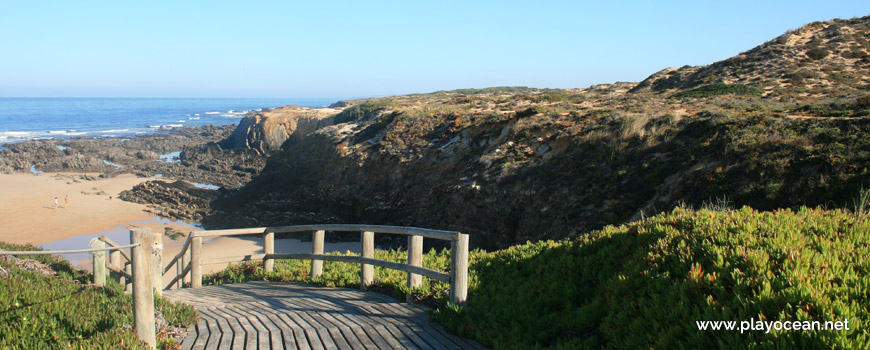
(269, 315)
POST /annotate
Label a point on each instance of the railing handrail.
(400, 230)
(180, 253)
(112, 243)
(457, 276)
(44, 252)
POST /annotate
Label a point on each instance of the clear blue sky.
(370, 48)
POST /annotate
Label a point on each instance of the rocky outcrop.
(178, 200)
(268, 131)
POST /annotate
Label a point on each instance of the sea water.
(27, 118)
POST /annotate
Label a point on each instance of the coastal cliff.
(269, 130)
(517, 164)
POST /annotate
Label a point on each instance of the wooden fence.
(144, 246)
(141, 270)
(189, 261)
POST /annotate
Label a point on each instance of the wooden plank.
(380, 324)
(310, 317)
(238, 231)
(406, 341)
(436, 342)
(333, 325)
(398, 230)
(359, 340)
(123, 273)
(302, 342)
(287, 334)
(214, 331)
(310, 333)
(273, 331)
(239, 332)
(338, 338)
(177, 256)
(263, 336)
(227, 331)
(234, 259)
(251, 336)
(112, 243)
(189, 339)
(388, 337)
(178, 277)
(202, 334)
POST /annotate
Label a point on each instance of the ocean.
(27, 118)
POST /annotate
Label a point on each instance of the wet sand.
(29, 215)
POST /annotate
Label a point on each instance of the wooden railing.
(189, 260)
(142, 272)
(144, 249)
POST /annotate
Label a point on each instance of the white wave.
(114, 130)
(16, 133)
(193, 118)
(172, 125)
(57, 131)
(212, 112)
(182, 121)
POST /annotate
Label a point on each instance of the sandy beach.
(29, 215)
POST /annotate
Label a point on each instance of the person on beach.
(66, 202)
(55, 202)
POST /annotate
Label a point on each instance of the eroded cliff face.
(268, 131)
(514, 164)
(523, 175)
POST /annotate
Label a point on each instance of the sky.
(334, 49)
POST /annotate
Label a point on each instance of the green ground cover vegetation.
(62, 311)
(644, 284)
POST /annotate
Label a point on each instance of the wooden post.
(366, 271)
(179, 267)
(269, 248)
(196, 263)
(459, 270)
(128, 268)
(317, 248)
(99, 261)
(185, 260)
(143, 293)
(115, 260)
(157, 261)
(415, 258)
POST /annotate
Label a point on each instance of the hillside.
(510, 165)
(822, 59)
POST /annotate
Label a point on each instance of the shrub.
(817, 53)
(644, 285)
(718, 89)
(362, 110)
